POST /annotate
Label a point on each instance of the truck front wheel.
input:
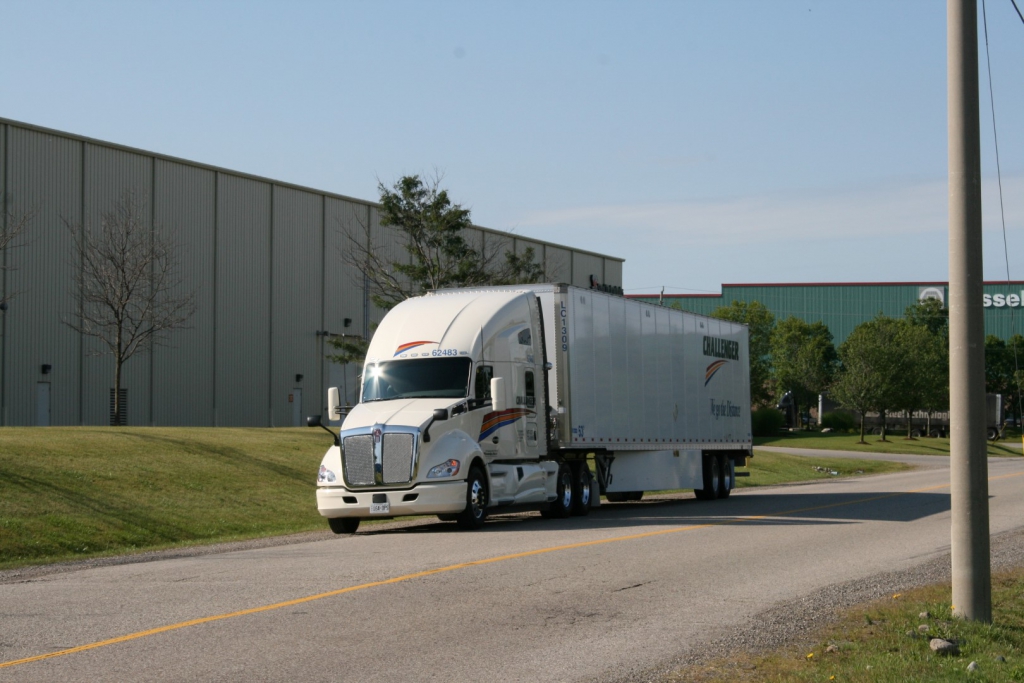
(343, 525)
(476, 501)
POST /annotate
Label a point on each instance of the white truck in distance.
(496, 399)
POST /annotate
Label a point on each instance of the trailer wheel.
(562, 505)
(709, 472)
(915, 433)
(993, 434)
(581, 481)
(343, 525)
(725, 480)
(476, 501)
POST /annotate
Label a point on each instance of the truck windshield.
(425, 378)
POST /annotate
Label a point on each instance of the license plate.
(380, 508)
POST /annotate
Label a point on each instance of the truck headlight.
(325, 476)
(445, 469)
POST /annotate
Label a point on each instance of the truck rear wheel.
(343, 525)
(476, 501)
(581, 479)
(710, 474)
(562, 505)
(725, 481)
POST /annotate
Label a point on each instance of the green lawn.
(882, 643)
(894, 443)
(767, 468)
(75, 492)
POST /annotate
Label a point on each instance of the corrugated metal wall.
(844, 306)
(185, 209)
(264, 259)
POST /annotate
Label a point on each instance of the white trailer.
(490, 399)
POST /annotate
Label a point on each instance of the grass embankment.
(894, 443)
(882, 643)
(768, 469)
(76, 492)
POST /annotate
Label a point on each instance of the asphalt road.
(526, 599)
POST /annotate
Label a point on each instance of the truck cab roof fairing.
(443, 323)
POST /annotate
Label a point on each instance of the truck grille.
(359, 460)
(397, 456)
(397, 452)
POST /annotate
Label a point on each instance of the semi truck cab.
(453, 394)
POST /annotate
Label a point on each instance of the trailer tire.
(709, 475)
(565, 499)
(343, 525)
(993, 434)
(725, 482)
(581, 479)
(475, 514)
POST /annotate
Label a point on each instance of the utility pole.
(972, 573)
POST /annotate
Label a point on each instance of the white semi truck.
(496, 399)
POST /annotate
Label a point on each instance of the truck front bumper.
(426, 499)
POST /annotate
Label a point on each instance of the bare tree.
(12, 224)
(127, 285)
(439, 255)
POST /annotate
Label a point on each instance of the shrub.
(839, 422)
(767, 421)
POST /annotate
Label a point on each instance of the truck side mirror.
(440, 415)
(314, 421)
(333, 404)
(498, 394)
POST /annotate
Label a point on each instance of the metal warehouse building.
(843, 306)
(263, 256)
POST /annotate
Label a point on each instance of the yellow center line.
(462, 565)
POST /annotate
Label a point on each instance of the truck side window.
(484, 374)
(530, 396)
(525, 338)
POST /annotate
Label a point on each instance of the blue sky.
(704, 141)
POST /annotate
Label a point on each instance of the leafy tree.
(872, 369)
(439, 255)
(933, 355)
(127, 285)
(917, 345)
(1004, 369)
(804, 359)
(761, 322)
(931, 314)
(856, 384)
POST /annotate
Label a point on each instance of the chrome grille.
(359, 460)
(397, 456)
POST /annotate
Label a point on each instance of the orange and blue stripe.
(495, 421)
(712, 369)
(411, 345)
